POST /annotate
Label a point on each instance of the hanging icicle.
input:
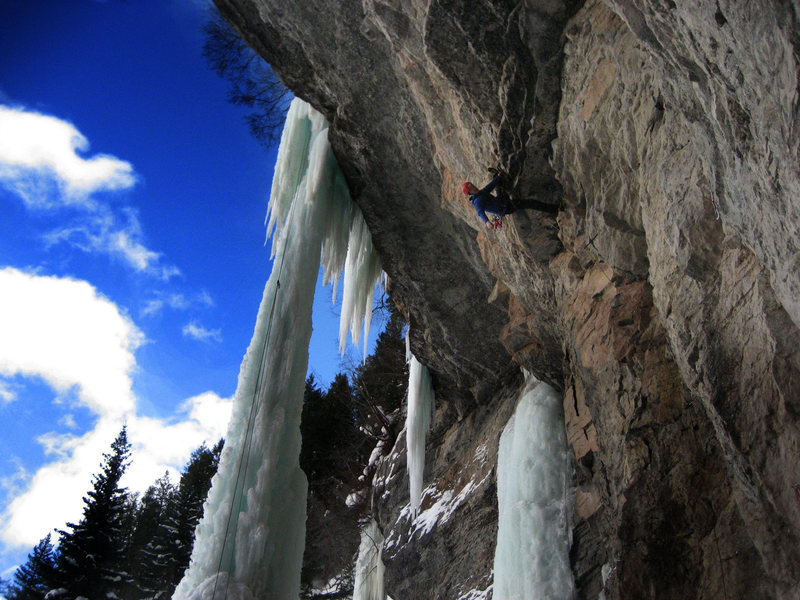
(418, 421)
(250, 542)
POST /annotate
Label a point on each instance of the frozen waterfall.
(531, 560)
(251, 539)
(418, 420)
(368, 583)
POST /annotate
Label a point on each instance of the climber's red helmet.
(468, 188)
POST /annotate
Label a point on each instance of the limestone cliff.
(663, 299)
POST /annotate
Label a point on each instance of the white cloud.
(57, 444)
(158, 446)
(15, 483)
(102, 232)
(66, 333)
(68, 421)
(32, 513)
(6, 393)
(198, 332)
(39, 160)
(175, 301)
(205, 299)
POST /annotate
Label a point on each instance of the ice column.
(369, 565)
(531, 560)
(418, 420)
(250, 542)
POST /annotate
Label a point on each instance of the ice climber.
(484, 201)
(499, 204)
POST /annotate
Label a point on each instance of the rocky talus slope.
(663, 299)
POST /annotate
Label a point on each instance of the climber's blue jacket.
(485, 202)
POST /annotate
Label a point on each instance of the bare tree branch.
(253, 82)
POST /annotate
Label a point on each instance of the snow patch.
(444, 504)
(481, 454)
(478, 594)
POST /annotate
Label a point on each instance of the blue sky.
(132, 257)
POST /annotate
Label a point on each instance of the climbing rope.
(716, 208)
(244, 456)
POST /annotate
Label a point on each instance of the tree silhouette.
(340, 427)
(147, 553)
(91, 556)
(253, 83)
(188, 509)
(35, 578)
(163, 537)
(382, 379)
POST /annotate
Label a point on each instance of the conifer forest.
(133, 546)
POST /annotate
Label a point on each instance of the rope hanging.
(244, 456)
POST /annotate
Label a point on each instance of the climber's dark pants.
(508, 206)
(530, 203)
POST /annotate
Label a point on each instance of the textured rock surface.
(446, 551)
(672, 333)
(670, 119)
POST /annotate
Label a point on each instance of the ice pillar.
(369, 580)
(532, 555)
(418, 420)
(250, 542)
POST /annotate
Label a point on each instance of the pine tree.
(35, 578)
(91, 555)
(333, 455)
(130, 512)
(192, 491)
(163, 538)
(145, 519)
(382, 379)
(146, 553)
(339, 429)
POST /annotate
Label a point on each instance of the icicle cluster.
(346, 240)
(418, 420)
(532, 555)
(362, 272)
(250, 542)
(369, 565)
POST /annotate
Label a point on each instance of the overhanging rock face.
(663, 300)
